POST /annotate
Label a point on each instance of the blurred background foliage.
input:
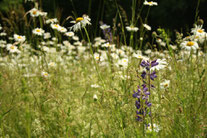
(169, 14)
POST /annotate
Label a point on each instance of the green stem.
(149, 85)
(92, 54)
(197, 11)
(122, 28)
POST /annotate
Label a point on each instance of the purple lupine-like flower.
(142, 94)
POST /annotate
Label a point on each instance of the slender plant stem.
(197, 11)
(149, 85)
(92, 54)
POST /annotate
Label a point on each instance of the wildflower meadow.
(123, 79)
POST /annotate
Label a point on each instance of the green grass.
(63, 106)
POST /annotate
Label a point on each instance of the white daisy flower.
(123, 62)
(38, 31)
(19, 38)
(114, 56)
(121, 52)
(62, 29)
(96, 56)
(47, 35)
(147, 27)
(52, 64)
(3, 43)
(139, 56)
(12, 48)
(104, 26)
(51, 21)
(165, 84)
(156, 128)
(80, 22)
(45, 74)
(148, 51)
(55, 26)
(44, 14)
(150, 3)
(3, 34)
(69, 34)
(34, 12)
(81, 49)
(107, 45)
(131, 28)
(95, 86)
(189, 45)
(198, 31)
(76, 38)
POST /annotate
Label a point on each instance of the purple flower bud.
(154, 63)
(153, 75)
(139, 118)
(145, 89)
(137, 104)
(143, 63)
(143, 75)
(136, 95)
(149, 104)
(147, 93)
(152, 86)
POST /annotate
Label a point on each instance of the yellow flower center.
(34, 12)
(166, 85)
(150, 2)
(19, 37)
(56, 26)
(12, 47)
(78, 19)
(125, 60)
(200, 31)
(190, 43)
(38, 30)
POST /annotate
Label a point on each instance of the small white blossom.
(104, 26)
(150, 3)
(19, 38)
(38, 31)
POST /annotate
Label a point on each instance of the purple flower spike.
(142, 94)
